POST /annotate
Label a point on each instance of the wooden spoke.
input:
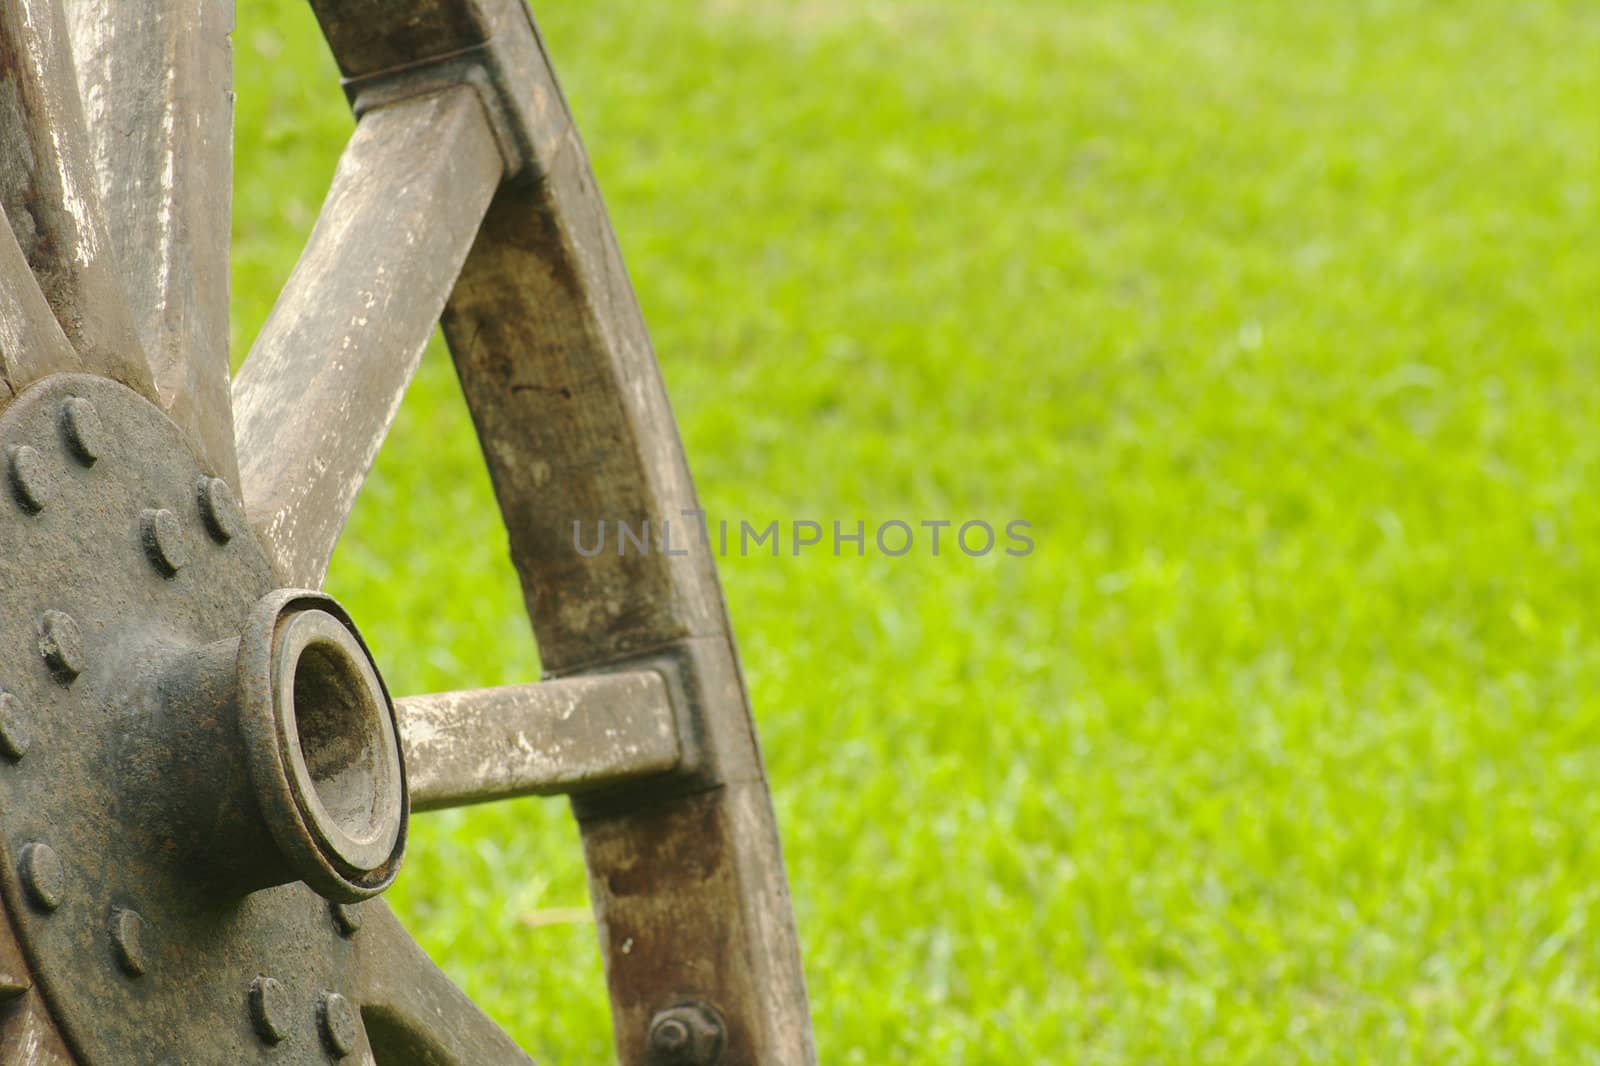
(155, 81)
(325, 378)
(565, 736)
(413, 1015)
(463, 193)
(29, 1036)
(31, 342)
(48, 191)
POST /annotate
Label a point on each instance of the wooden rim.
(464, 197)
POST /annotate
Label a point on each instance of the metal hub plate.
(116, 548)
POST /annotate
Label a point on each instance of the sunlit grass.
(1281, 323)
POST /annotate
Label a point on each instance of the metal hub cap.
(190, 757)
(320, 731)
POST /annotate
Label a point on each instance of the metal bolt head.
(31, 481)
(14, 738)
(61, 644)
(85, 434)
(346, 918)
(127, 940)
(219, 509)
(686, 1035)
(269, 1009)
(44, 881)
(163, 540)
(671, 1037)
(340, 1031)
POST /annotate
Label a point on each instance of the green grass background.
(1281, 323)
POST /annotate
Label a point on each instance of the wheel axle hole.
(338, 724)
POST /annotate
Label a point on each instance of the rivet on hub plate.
(127, 940)
(219, 509)
(30, 478)
(269, 1009)
(163, 540)
(340, 1032)
(85, 434)
(43, 879)
(14, 737)
(61, 644)
(346, 918)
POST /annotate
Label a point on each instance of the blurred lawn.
(1281, 324)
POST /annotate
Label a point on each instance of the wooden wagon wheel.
(201, 773)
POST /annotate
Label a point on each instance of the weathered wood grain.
(47, 188)
(559, 373)
(31, 342)
(686, 872)
(155, 79)
(689, 890)
(412, 1013)
(690, 894)
(313, 401)
(687, 878)
(558, 737)
(28, 1035)
(372, 35)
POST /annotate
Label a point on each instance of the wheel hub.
(192, 764)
